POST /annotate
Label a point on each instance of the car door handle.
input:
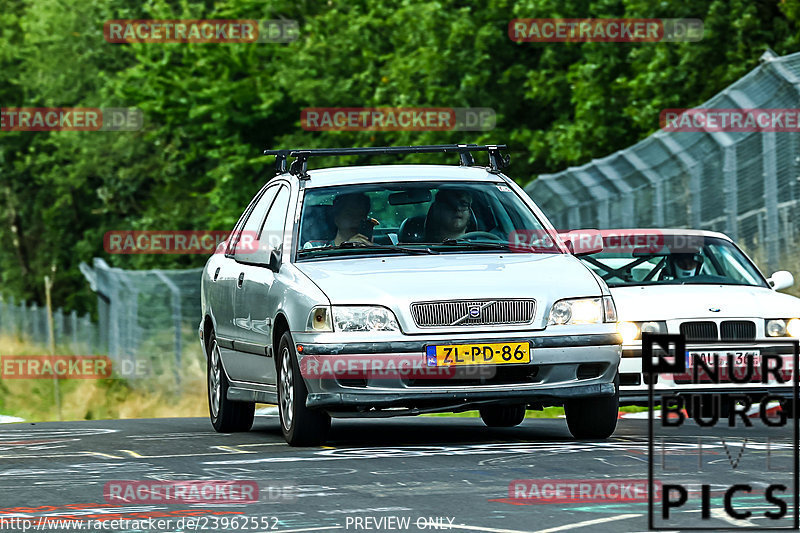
(240, 281)
(216, 274)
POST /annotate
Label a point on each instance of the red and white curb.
(753, 412)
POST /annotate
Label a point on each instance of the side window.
(248, 235)
(271, 234)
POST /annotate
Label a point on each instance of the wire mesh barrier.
(741, 183)
(28, 323)
(148, 321)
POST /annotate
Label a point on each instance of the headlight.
(780, 327)
(776, 328)
(629, 331)
(632, 331)
(583, 311)
(319, 319)
(364, 318)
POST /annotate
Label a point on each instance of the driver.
(686, 265)
(448, 216)
(349, 215)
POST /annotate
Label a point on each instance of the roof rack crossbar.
(299, 165)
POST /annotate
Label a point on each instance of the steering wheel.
(482, 235)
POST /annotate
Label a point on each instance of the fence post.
(35, 326)
(176, 318)
(729, 171)
(88, 334)
(73, 321)
(23, 320)
(51, 340)
(58, 318)
(772, 237)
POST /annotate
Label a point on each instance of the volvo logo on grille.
(474, 311)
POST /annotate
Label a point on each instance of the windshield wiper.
(349, 245)
(476, 244)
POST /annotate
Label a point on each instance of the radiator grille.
(699, 330)
(472, 312)
(738, 330)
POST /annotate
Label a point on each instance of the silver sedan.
(392, 290)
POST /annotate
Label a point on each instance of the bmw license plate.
(478, 354)
(740, 357)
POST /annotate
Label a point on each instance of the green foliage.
(210, 108)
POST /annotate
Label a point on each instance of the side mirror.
(274, 261)
(782, 279)
(583, 242)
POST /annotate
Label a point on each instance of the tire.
(503, 416)
(226, 416)
(593, 418)
(300, 425)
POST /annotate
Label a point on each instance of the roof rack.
(299, 167)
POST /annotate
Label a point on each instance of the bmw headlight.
(783, 327)
(583, 311)
(363, 318)
(632, 331)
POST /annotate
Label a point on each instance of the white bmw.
(701, 285)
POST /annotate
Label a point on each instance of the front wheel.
(226, 416)
(503, 416)
(593, 418)
(301, 426)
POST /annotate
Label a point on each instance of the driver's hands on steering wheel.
(481, 235)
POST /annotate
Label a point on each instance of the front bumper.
(634, 384)
(561, 368)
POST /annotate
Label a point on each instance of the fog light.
(793, 327)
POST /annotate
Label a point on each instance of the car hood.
(671, 302)
(397, 281)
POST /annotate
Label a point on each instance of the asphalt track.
(438, 473)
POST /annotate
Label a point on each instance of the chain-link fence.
(27, 323)
(743, 184)
(149, 318)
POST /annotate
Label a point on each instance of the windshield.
(677, 259)
(415, 217)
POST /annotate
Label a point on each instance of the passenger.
(449, 215)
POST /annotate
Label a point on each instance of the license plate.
(740, 357)
(478, 354)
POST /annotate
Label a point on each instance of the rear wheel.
(226, 416)
(301, 426)
(503, 416)
(593, 418)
